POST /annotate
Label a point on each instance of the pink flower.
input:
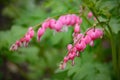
(24, 40)
(27, 38)
(80, 46)
(30, 32)
(91, 33)
(68, 19)
(18, 43)
(80, 40)
(66, 59)
(86, 39)
(14, 47)
(52, 23)
(95, 33)
(77, 36)
(62, 19)
(77, 28)
(69, 47)
(58, 26)
(99, 33)
(90, 14)
(40, 33)
(71, 56)
(45, 24)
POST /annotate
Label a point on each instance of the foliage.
(40, 60)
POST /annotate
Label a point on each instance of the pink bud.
(31, 33)
(45, 24)
(65, 59)
(71, 56)
(22, 40)
(62, 19)
(90, 14)
(30, 29)
(27, 38)
(99, 33)
(91, 33)
(87, 39)
(69, 47)
(83, 45)
(40, 33)
(68, 19)
(58, 26)
(80, 46)
(77, 28)
(95, 33)
(18, 43)
(14, 47)
(52, 23)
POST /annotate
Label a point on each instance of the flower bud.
(90, 14)
(40, 33)
(77, 28)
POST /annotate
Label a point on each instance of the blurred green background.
(40, 60)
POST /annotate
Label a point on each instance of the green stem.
(119, 61)
(114, 53)
(113, 46)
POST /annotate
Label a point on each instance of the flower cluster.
(24, 40)
(60, 24)
(80, 43)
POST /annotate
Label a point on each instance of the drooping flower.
(24, 40)
(40, 33)
(80, 43)
(77, 28)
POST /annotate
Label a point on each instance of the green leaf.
(102, 77)
(115, 25)
(55, 39)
